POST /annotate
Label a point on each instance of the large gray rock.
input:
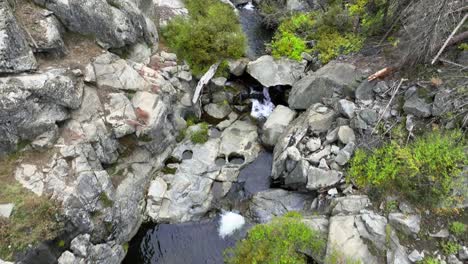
(115, 24)
(113, 72)
(15, 53)
(333, 77)
(270, 72)
(276, 124)
(408, 224)
(349, 204)
(276, 202)
(31, 105)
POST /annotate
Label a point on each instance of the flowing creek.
(200, 242)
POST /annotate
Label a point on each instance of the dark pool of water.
(186, 243)
(257, 34)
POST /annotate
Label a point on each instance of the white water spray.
(229, 223)
(262, 109)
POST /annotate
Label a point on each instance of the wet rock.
(346, 135)
(415, 105)
(276, 124)
(113, 72)
(6, 209)
(276, 202)
(352, 204)
(120, 114)
(334, 77)
(270, 72)
(346, 108)
(217, 111)
(409, 224)
(15, 53)
(114, 25)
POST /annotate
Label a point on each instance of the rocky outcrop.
(15, 53)
(168, 9)
(115, 24)
(306, 156)
(31, 105)
(341, 78)
(188, 193)
(270, 72)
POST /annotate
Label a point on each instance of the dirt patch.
(81, 50)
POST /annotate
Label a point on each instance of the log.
(449, 39)
(205, 79)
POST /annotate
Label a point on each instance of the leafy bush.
(457, 228)
(294, 33)
(425, 171)
(211, 33)
(429, 260)
(279, 241)
(450, 247)
(200, 136)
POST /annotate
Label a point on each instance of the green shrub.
(200, 136)
(279, 241)
(457, 228)
(294, 33)
(425, 171)
(450, 247)
(429, 260)
(210, 34)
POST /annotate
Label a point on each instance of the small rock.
(443, 233)
(346, 135)
(365, 91)
(219, 82)
(168, 56)
(314, 144)
(318, 178)
(6, 209)
(380, 87)
(276, 124)
(237, 67)
(452, 259)
(80, 244)
(218, 111)
(409, 224)
(463, 253)
(332, 192)
(369, 116)
(415, 256)
(185, 76)
(345, 154)
(346, 108)
(332, 136)
(415, 105)
(67, 258)
(323, 165)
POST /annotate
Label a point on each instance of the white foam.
(249, 6)
(229, 223)
(262, 110)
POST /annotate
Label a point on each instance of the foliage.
(294, 34)
(457, 228)
(425, 171)
(450, 247)
(200, 136)
(429, 260)
(371, 14)
(463, 47)
(211, 33)
(337, 257)
(33, 219)
(277, 242)
(105, 200)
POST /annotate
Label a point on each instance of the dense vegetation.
(279, 241)
(33, 218)
(425, 171)
(210, 34)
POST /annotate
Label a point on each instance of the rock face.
(188, 194)
(341, 78)
(31, 105)
(115, 23)
(270, 72)
(306, 151)
(276, 124)
(15, 53)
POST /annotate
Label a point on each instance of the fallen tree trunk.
(204, 80)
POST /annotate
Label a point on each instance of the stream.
(199, 242)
